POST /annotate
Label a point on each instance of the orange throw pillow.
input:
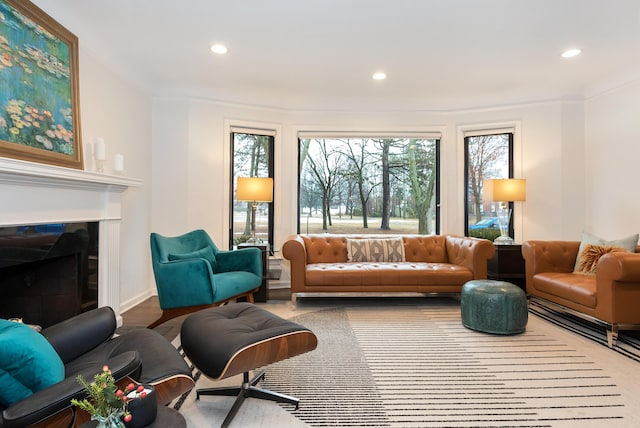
(591, 254)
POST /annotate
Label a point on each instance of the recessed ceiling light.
(379, 75)
(571, 53)
(219, 49)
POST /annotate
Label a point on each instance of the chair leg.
(229, 392)
(247, 390)
(612, 335)
(168, 314)
(250, 297)
(163, 318)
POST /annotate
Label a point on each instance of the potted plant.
(106, 403)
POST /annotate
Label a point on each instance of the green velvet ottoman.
(494, 307)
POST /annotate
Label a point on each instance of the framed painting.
(39, 107)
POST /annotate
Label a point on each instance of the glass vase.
(113, 420)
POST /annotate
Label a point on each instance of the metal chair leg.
(248, 389)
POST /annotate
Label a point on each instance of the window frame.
(271, 135)
(376, 135)
(510, 168)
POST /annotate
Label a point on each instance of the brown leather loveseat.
(431, 264)
(611, 297)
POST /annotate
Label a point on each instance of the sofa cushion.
(386, 274)
(571, 287)
(629, 243)
(28, 363)
(203, 253)
(375, 250)
(589, 257)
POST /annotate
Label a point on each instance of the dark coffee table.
(167, 418)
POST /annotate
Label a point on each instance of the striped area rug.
(628, 343)
(417, 366)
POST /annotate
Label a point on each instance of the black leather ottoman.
(237, 338)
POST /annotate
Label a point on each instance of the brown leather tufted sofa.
(610, 298)
(434, 264)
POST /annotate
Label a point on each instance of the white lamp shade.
(254, 189)
(504, 189)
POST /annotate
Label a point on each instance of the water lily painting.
(39, 116)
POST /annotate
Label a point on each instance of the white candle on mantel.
(100, 151)
(118, 163)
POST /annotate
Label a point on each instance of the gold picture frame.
(39, 105)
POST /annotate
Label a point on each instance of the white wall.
(553, 210)
(579, 159)
(119, 112)
(191, 164)
(548, 151)
(612, 158)
(170, 191)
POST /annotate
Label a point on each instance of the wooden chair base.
(168, 314)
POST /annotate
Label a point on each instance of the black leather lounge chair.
(85, 343)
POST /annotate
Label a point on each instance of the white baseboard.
(131, 303)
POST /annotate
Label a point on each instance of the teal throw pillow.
(629, 243)
(28, 362)
(203, 253)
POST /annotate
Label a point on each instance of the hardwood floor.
(148, 311)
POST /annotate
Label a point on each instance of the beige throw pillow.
(375, 250)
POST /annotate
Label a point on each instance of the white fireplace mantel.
(14, 171)
(33, 193)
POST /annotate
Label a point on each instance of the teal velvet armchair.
(192, 273)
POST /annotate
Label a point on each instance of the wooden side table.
(263, 292)
(508, 265)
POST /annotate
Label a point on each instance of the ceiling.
(439, 55)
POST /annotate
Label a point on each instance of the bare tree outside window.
(487, 156)
(368, 185)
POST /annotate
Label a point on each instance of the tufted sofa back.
(327, 248)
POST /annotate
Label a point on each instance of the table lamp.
(504, 190)
(254, 190)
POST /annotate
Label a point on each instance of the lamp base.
(503, 240)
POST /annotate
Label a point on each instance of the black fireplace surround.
(48, 272)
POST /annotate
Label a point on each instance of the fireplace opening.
(48, 272)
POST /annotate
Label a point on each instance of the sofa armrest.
(618, 288)
(242, 259)
(622, 267)
(295, 251)
(78, 335)
(471, 253)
